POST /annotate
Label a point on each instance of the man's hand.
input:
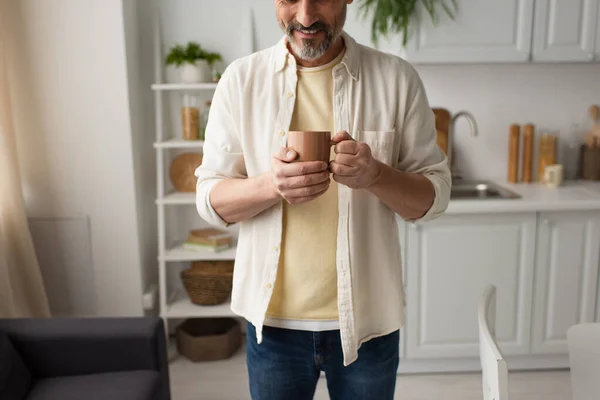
(354, 165)
(298, 182)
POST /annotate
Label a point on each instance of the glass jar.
(190, 118)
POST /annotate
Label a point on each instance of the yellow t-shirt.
(306, 284)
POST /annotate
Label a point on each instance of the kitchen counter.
(541, 251)
(572, 195)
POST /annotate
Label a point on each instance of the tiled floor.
(227, 380)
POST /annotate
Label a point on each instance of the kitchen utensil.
(513, 153)
(442, 126)
(595, 113)
(546, 153)
(589, 139)
(527, 165)
(590, 162)
(595, 129)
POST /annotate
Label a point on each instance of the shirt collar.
(350, 60)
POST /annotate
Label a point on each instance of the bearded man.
(318, 274)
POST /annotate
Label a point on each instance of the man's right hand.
(298, 182)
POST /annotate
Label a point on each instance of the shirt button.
(268, 286)
(281, 133)
(290, 94)
(276, 248)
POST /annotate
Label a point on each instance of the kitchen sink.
(481, 190)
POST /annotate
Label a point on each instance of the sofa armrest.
(78, 346)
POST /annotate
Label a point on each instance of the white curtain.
(22, 292)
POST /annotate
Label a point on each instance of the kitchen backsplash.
(551, 96)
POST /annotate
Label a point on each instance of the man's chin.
(307, 53)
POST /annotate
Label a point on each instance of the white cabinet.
(483, 31)
(566, 279)
(449, 261)
(565, 30)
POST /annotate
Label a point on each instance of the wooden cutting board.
(442, 126)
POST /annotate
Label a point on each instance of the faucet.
(474, 133)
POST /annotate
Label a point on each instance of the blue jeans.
(287, 365)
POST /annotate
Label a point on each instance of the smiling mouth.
(308, 33)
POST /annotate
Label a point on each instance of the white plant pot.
(195, 73)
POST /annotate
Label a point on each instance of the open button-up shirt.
(378, 98)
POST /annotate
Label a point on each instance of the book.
(201, 247)
(211, 237)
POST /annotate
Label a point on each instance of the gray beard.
(308, 51)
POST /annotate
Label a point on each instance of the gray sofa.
(90, 358)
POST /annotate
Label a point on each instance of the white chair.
(584, 357)
(493, 366)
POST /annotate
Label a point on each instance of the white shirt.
(379, 99)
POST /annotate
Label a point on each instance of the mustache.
(317, 26)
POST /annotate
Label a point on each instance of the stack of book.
(208, 239)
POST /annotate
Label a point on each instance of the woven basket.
(208, 339)
(208, 282)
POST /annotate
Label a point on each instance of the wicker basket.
(208, 339)
(208, 282)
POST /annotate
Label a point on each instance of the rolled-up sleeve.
(222, 151)
(419, 152)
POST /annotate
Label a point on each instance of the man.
(318, 272)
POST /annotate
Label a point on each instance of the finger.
(303, 168)
(350, 160)
(347, 147)
(341, 169)
(305, 191)
(285, 154)
(295, 182)
(343, 180)
(306, 199)
(340, 136)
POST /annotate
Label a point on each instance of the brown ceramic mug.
(310, 145)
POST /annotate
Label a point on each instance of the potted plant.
(397, 16)
(194, 63)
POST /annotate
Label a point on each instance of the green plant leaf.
(192, 52)
(398, 16)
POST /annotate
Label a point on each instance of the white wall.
(140, 75)
(74, 133)
(550, 96)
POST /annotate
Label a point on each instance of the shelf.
(178, 253)
(182, 307)
(178, 198)
(184, 86)
(179, 144)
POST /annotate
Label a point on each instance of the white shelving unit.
(177, 198)
(178, 253)
(179, 144)
(174, 303)
(184, 86)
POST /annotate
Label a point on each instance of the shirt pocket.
(381, 144)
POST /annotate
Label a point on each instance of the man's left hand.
(354, 165)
